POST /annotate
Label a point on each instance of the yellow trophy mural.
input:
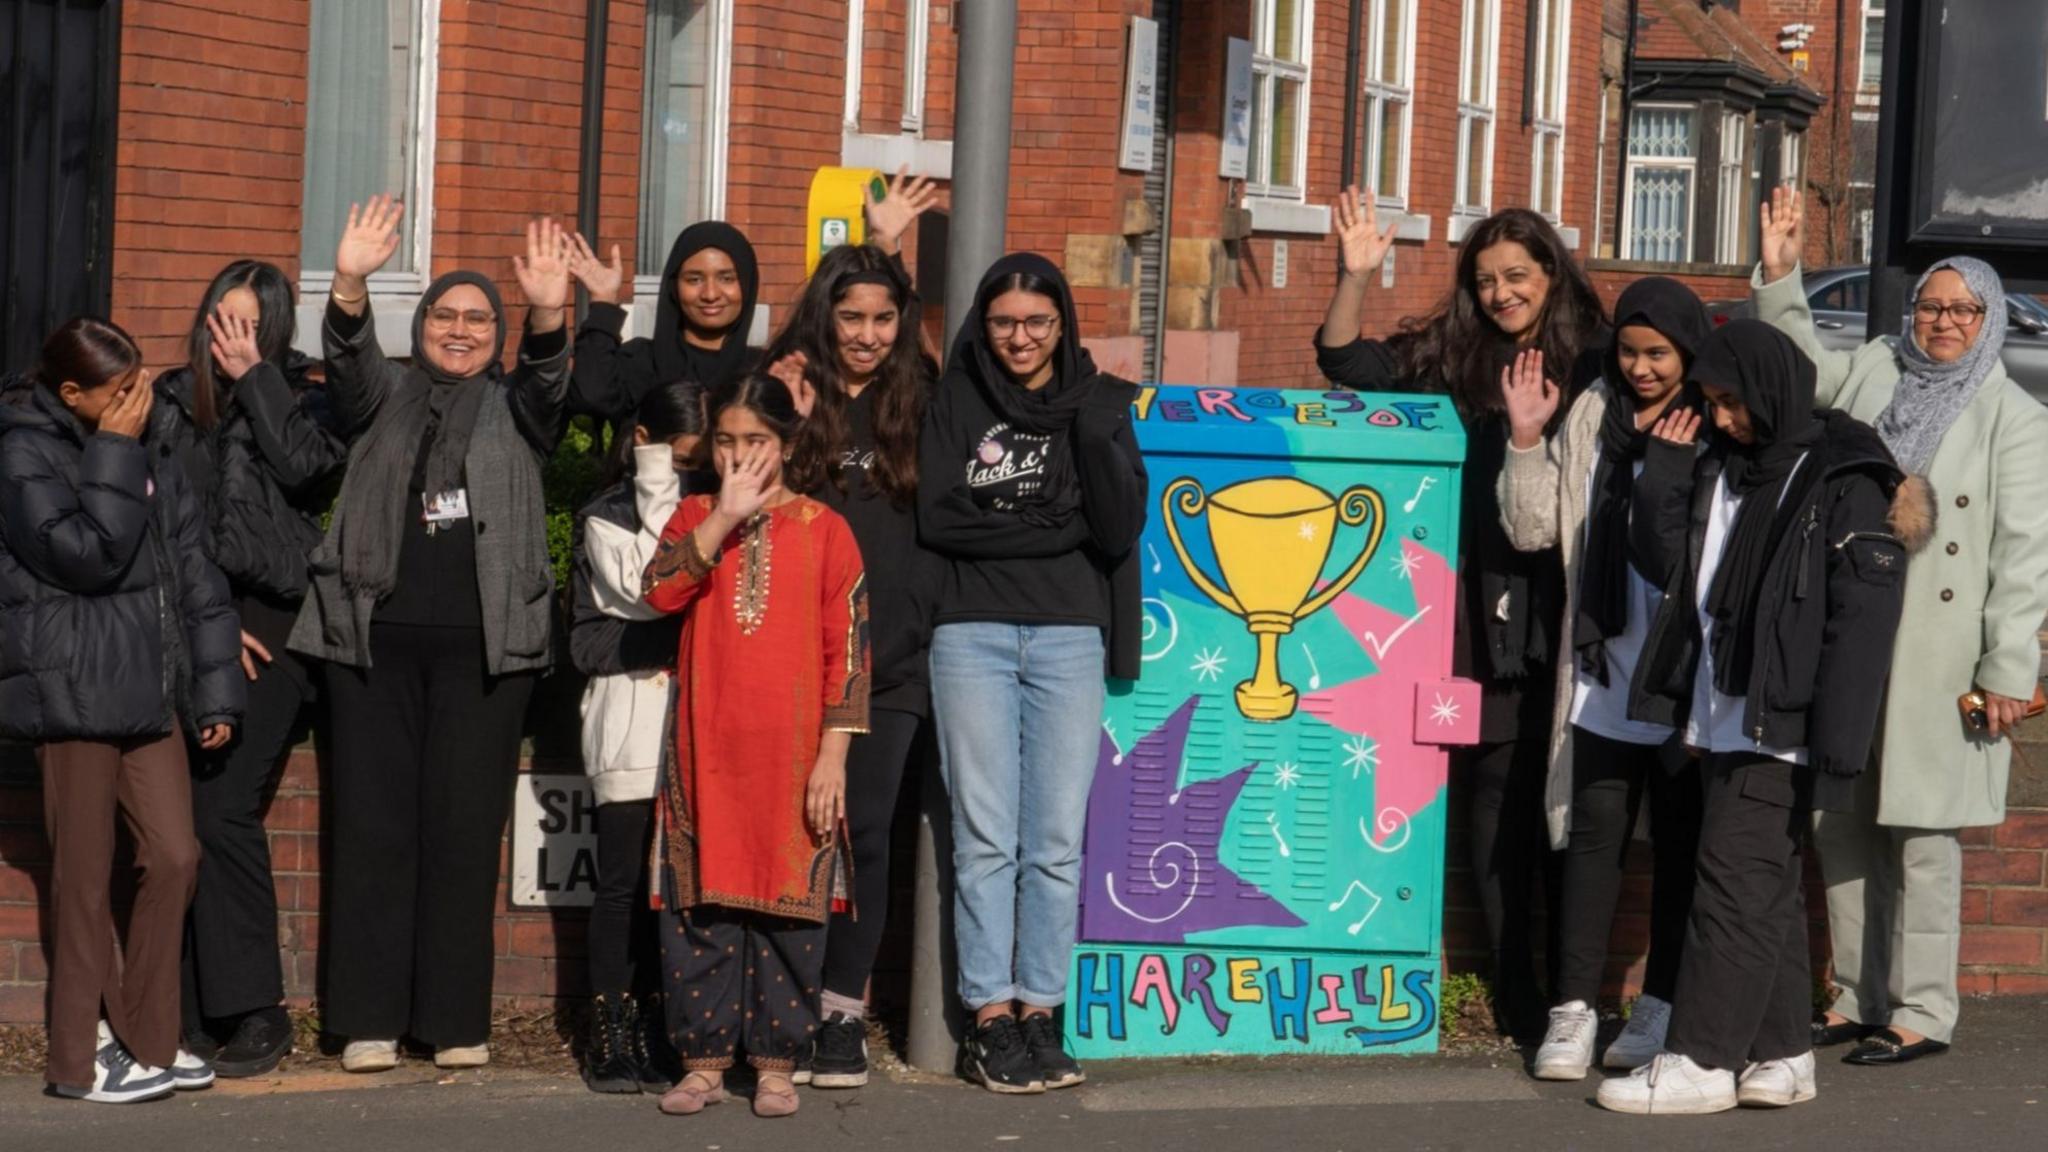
(1271, 537)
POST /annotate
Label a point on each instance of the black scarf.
(1050, 411)
(1671, 308)
(675, 358)
(1775, 381)
(431, 412)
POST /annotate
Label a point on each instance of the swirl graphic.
(1172, 880)
(1152, 629)
(1389, 820)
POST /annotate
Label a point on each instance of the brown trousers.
(84, 783)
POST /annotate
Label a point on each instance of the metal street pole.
(975, 239)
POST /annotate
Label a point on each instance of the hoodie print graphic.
(1008, 467)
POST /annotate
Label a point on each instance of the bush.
(570, 479)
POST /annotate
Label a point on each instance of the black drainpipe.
(590, 150)
(1628, 86)
(1351, 51)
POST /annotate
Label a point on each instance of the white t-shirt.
(1603, 709)
(1716, 721)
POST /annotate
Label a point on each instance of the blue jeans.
(1019, 716)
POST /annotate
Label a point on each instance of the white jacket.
(625, 716)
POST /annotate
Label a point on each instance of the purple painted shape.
(1151, 867)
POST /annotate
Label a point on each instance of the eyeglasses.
(1036, 327)
(1931, 312)
(446, 318)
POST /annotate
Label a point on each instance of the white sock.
(847, 1006)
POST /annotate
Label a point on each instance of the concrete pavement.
(1989, 1095)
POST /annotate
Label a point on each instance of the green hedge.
(571, 478)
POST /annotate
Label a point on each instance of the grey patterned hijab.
(1931, 394)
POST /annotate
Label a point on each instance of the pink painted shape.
(1447, 712)
(1406, 649)
(1152, 981)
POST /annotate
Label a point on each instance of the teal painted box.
(1263, 861)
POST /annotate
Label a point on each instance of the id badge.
(445, 508)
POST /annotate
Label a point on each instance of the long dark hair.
(671, 410)
(769, 400)
(88, 352)
(1456, 343)
(277, 321)
(899, 382)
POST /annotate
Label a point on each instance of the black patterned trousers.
(738, 982)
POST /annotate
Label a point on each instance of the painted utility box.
(1264, 857)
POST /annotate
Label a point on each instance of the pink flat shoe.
(774, 1096)
(689, 1097)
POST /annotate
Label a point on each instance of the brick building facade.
(245, 126)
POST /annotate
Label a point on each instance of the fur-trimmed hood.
(1914, 513)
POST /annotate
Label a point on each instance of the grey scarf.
(1931, 394)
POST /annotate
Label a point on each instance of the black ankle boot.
(609, 1055)
(660, 1068)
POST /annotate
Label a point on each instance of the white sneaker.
(1568, 1046)
(469, 1056)
(370, 1056)
(189, 1073)
(117, 1077)
(1777, 1083)
(1670, 1085)
(1643, 1036)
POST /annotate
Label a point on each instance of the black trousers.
(624, 948)
(426, 748)
(1609, 778)
(874, 777)
(1510, 854)
(741, 981)
(1745, 989)
(230, 957)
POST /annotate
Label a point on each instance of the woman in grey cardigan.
(1974, 604)
(431, 599)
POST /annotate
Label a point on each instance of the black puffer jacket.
(1832, 593)
(112, 619)
(263, 476)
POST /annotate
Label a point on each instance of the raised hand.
(128, 413)
(234, 344)
(603, 281)
(369, 238)
(1530, 397)
(544, 274)
(751, 480)
(1784, 231)
(1678, 426)
(1360, 242)
(891, 216)
(791, 371)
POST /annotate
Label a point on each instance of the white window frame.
(402, 289)
(1865, 85)
(1625, 243)
(1731, 191)
(1792, 156)
(1267, 70)
(1376, 92)
(647, 285)
(889, 152)
(1548, 124)
(1464, 211)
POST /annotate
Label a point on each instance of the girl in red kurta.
(771, 686)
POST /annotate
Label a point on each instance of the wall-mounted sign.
(1234, 162)
(1141, 96)
(554, 841)
(1279, 263)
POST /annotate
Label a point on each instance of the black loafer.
(1885, 1047)
(1826, 1035)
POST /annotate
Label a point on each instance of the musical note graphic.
(1155, 557)
(1273, 823)
(1358, 886)
(1315, 674)
(1427, 483)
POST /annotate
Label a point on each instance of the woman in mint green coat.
(1975, 599)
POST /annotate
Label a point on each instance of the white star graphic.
(1308, 531)
(1361, 755)
(1444, 711)
(1405, 566)
(1286, 775)
(1209, 664)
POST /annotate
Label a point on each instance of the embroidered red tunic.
(774, 653)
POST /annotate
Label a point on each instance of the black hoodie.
(610, 379)
(1035, 500)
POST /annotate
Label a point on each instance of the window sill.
(392, 312)
(1461, 222)
(933, 158)
(1271, 215)
(1407, 225)
(640, 313)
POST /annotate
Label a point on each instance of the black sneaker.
(661, 1067)
(609, 1055)
(1049, 1052)
(260, 1041)
(997, 1058)
(841, 1058)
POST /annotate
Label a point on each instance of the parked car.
(1839, 298)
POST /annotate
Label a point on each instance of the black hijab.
(1049, 411)
(433, 413)
(675, 358)
(1671, 308)
(1775, 381)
